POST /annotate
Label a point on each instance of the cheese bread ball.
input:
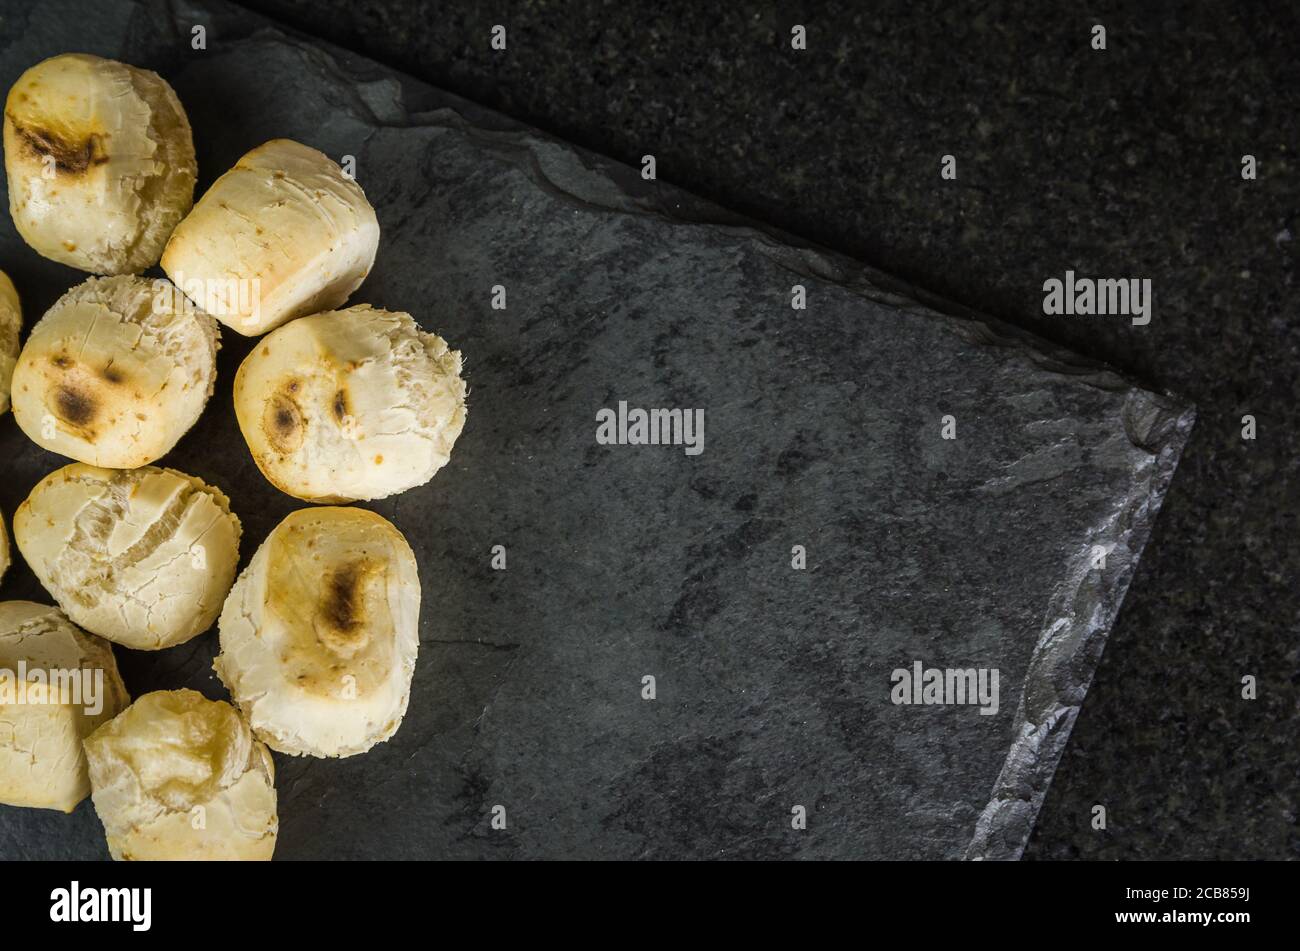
(178, 776)
(282, 234)
(11, 322)
(319, 634)
(116, 372)
(57, 684)
(143, 557)
(100, 162)
(350, 404)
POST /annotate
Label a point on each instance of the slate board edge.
(1043, 726)
(1160, 423)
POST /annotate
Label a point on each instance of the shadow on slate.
(822, 429)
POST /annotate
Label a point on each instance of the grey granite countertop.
(1117, 163)
(832, 537)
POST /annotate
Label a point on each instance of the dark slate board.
(822, 430)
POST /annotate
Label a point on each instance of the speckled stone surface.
(1115, 163)
(472, 676)
(827, 535)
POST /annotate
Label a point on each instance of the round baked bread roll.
(143, 557)
(282, 234)
(116, 372)
(11, 322)
(350, 404)
(319, 634)
(57, 684)
(177, 776)
(100, 162)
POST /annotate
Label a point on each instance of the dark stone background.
(1117, 163)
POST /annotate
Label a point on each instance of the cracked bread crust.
(350, 404)
(42, 764)
(143, 557)
(178, 776)
(116, 372)
(100, 161)
(320, 633)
